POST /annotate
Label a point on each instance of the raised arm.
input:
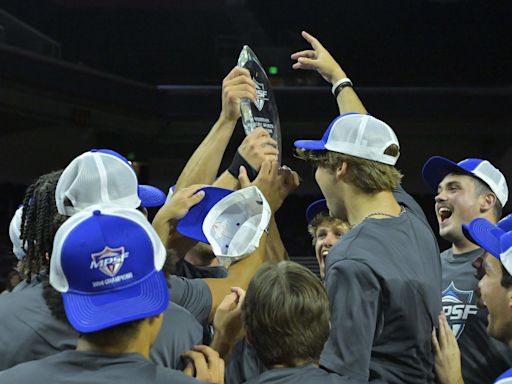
(319, 59)
(256, 147)
(203, 165)
(275, 186)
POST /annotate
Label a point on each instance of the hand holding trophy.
(263, 113)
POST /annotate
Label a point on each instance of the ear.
(509, 298)
(487, 202)
(341, 170)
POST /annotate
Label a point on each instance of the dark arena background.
(143, 77)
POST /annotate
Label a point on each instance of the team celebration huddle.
(204, 291)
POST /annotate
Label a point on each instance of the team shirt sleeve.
(192, 294)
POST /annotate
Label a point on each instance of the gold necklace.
(402, 210)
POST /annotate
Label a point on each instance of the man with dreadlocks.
(39, 221)
(29, 331)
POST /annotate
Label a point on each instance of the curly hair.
(39, 222)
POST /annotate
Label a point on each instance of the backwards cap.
(103, 177)
(357, 135)
(436, 168)
(107, 264)
(232, 222)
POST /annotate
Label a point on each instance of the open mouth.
(324, 253)
(444, 214)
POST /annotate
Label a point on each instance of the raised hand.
(257, 147)
(236, 85)
(273, 181)
(318, 59)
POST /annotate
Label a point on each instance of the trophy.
(263, 113)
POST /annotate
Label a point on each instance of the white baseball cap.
(231, 222)
(437, 167)
(102, 177)
(357, 135)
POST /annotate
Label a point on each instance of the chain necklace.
(402, 210)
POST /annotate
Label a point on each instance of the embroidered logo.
(109, 261)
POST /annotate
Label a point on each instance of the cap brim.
(506, 223)
(151, 196)
(436, 168)
(191, 225)
(316, 145)
(485, 234)
(90, 313)
(315, 208)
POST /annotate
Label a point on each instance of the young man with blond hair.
(384, 278)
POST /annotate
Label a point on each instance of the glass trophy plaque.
(263, 113)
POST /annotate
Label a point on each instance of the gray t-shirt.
(384, 286)
(308, 374)
(193, 295)
(243, 364)
(483, 358)
(191, 271)
(92, 367)
(29, 331)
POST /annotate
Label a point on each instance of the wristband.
(339, 85)
(234, 168)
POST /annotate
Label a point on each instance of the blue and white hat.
(15, 232)
(231, 222)
(358, 135)
(103, 176)
(437, 167)
(495, 239)
(315, 208)
(107, 264)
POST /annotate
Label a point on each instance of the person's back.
(81, 367)
(31, 332)
(404, 284)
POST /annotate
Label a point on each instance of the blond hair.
(367, 175)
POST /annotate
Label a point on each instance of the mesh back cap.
(231, 222)
(357, 135)
(102, 177)
(107, 263)
(437, 167)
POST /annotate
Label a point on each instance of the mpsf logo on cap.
(261, 95)
(109, 261)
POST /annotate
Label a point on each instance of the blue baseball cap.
(358, 135)
(436, 168)
(191, 225)
(102, 176)
(231, 222)
(487, 235)
(107, 263)
(315, 208)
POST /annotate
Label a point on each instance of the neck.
(138, 345)
(361, 205)
(463, 246)
(296, 363)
